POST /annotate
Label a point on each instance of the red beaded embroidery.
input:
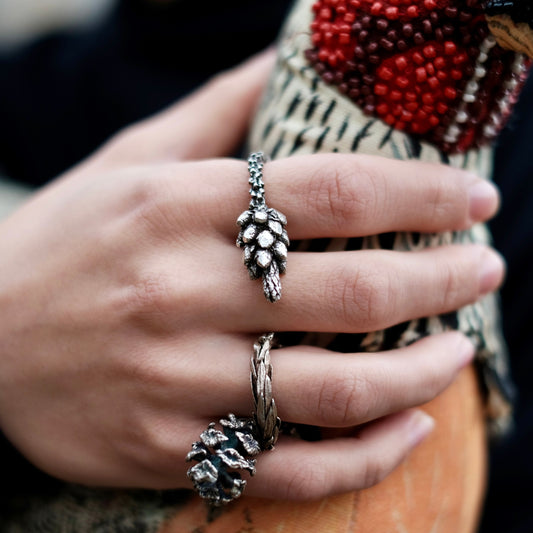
(427, 67)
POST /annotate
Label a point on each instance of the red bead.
(456, 74)
(344, 38)
(395, 95)
(418, 58)
(397, 111)
(391, 13)
(386, 73)
(376, 8)
(401, 62)
(439, 62)
(429, 51)
(421, 74)
(433, 82)
(450, 48)
(381, 89)
(450, 93)
(349, 17)
(402, 82)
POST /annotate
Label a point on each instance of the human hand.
(128, 317)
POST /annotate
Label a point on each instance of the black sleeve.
(62, 96)
(508, 503)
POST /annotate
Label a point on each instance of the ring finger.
(322, 388)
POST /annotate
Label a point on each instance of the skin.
(128, 317)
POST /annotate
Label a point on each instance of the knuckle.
(309, 481)
(158, 452)
(438, 206)
(336, 400)
(140, 441)
(141, 194)
(363, 298)
(453, 283)
(149, 373)
(444, 201)
(151, 206)
(336, 198)
(376, 468)
(149, 296)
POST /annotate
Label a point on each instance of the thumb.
(211, 121)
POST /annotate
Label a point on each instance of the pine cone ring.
(263, 236)
(220, 455)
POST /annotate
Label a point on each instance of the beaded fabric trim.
(430, 68)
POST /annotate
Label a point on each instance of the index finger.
(347, 195)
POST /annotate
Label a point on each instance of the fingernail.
(491, 271)
(484, 200)
(420, 426)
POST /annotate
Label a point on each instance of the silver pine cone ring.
(262, 235)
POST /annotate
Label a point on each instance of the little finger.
(299, 470)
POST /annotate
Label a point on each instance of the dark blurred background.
(74, 72)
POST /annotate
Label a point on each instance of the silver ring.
(263, 236)
(221, 454)
(266, 413)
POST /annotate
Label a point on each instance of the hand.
(128, 317)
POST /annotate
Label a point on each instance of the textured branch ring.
(221, 454)
(263, 236)
(266, 413)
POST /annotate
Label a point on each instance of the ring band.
(263, 236)
(266, 413)
(221, 454)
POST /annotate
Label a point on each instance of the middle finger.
(366, 290)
